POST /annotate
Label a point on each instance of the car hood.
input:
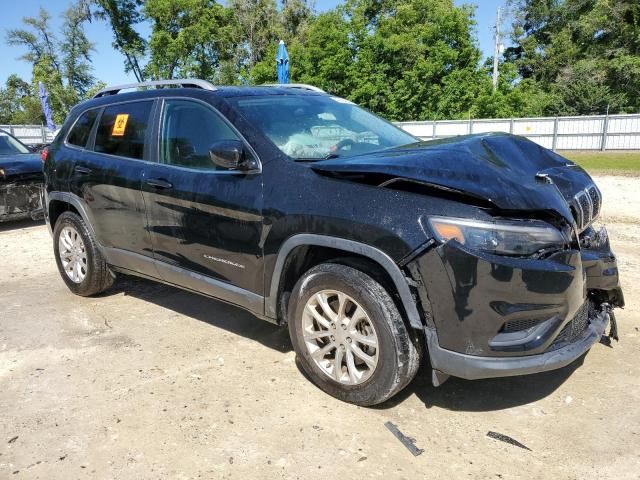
(507, 171)
(20, 165)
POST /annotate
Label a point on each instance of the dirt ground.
(150, 382)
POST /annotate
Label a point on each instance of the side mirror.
(231, 154)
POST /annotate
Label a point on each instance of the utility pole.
(496, 52)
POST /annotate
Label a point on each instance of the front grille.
(520, 324)
(576, 327)
(585, 206)
(596, 201)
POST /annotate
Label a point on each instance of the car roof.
(221, 91)
(234, 91)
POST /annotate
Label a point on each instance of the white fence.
(29, 134)
(601, 132)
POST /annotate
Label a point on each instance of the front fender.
(378, 256)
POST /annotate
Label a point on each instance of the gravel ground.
(150, 382)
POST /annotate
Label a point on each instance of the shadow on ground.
(483, 395)
(455, 394)
(205, 309)
(18, 224)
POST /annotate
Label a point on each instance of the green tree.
(122, 16)
(582, 89)
(584, 53)
(404, 59)
(17, 103)
(292, 23)
(514, 97)
(43, 53)
(63, 66)
(258, 27)
(37, 38)
(76, 49)
(324, 56)
(190, 38)
(294, 15)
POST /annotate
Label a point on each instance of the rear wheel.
(80, 263)
(349, 335)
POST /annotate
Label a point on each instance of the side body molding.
(309, 239)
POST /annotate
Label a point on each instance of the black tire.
(98, 276)
(398, 356)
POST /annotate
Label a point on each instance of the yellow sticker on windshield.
(120, 125)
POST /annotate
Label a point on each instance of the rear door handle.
(159, 183)
(82, 170)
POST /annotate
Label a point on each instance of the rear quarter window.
(79, 134)
(122, 128)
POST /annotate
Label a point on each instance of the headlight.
(504, 237)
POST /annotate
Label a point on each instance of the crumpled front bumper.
(20, 200)
(473, 367)
(490, 316)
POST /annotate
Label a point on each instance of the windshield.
(318, 127)
(11, 146)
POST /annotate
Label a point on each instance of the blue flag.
(44, 100)
(282, 63)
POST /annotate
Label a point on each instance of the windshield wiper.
(307, 159)
(331, 155)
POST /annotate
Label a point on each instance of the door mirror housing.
(232, 155)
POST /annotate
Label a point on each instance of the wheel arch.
(346, 247)
(60, 202)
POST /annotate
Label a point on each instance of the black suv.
(376, 249)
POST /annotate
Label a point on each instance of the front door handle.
(82, 170)
(158, 183)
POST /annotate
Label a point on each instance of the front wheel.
(349, 335)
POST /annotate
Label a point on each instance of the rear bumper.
(472, 367)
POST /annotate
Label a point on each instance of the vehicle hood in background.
(24, 165)
(510, 172)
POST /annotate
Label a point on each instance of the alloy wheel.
(340, 337)
(73, 254)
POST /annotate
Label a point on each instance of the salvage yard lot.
(148, 381)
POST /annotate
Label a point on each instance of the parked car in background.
(21, 180)
(479, 252)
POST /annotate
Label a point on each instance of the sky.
(109, 65)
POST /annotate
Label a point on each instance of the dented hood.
(21, 165)
(508, 171)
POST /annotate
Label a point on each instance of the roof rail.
(194, 83)
(301, 86)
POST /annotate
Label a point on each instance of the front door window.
(188, 131)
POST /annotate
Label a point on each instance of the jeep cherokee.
(477, 252)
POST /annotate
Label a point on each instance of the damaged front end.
(519, 280)
(491, 315)
(20, 198)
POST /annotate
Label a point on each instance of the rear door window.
(122, 129)
(80, 132)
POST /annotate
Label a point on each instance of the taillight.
(44, 154)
